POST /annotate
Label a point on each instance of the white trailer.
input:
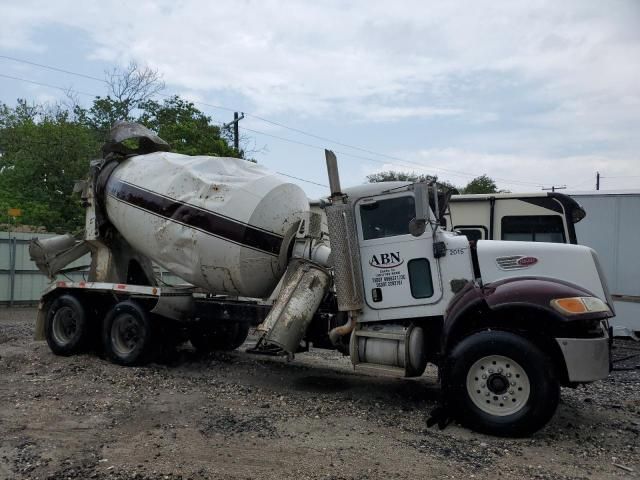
(606, 221)
(612, 228)
(525, 217)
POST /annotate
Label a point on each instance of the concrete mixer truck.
(506, 323)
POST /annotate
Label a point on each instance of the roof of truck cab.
(366, 190)
(487, 196)
(371, 189)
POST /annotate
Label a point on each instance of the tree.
(133, 85)
(129, 88)
(398, 176)
(185, 128)
(44, 150)
(43, 154)
(481, 184)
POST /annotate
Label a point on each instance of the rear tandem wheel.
(128, 334)
(66, 327)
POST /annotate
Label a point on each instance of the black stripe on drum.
(199, 208)
(195, 217)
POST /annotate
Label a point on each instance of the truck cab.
(401, 275)
(506, 322)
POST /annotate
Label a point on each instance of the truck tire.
(128, 335)
(66, 328)
(209, 336)
(500, 383)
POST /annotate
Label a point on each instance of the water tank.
(222, 224)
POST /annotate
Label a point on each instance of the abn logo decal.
(386, 260)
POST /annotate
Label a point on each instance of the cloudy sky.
(531, 93)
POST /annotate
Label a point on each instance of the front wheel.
(501, 383)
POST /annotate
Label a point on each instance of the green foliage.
(103, 113)
(397, 176)
(185, 128)
(481, 184)
(43, 153)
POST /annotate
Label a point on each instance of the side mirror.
(418, 225)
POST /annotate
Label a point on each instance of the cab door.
(398, 269)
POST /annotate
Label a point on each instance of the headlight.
(577, 305)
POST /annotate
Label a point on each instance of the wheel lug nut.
(504, 397)
(483, 385)
(486, 394)
(511, 392)
(500, 370)
(491, 370)
(513, 384)
(484, 375)
(508, 374)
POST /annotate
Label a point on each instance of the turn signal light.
(576, 305)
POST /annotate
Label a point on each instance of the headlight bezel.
(579, 305)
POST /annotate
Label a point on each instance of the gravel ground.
(238, 416)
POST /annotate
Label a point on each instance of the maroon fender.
(475, 306)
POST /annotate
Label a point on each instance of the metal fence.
(20, 280)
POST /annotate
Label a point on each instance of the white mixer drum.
(218, 223)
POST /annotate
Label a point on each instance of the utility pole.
(555, 187)
(597, 180)
(236, 130)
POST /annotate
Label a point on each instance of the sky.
(533, 94)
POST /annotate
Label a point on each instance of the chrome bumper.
(587, 359)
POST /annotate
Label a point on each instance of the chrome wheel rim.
(64, 325)
(126, 334)
(498, 385)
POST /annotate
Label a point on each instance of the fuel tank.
(222, 224)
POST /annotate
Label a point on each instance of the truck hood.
(577, 264)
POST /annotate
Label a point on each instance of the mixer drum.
(219, 223)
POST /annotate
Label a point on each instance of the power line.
(303, 180)
(588, 180)
(425, 167)
(42, 84)
(55, 69)
(263, 119)
(404, 164)
(93, 95)
(282, 125)
(391, 157)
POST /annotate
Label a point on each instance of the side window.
(420, 278)
(533, 228)
(473, 234)
(387, 218)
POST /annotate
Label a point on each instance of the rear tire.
(66, 328)
(501, 384)
(128, 335)
(209, 336)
